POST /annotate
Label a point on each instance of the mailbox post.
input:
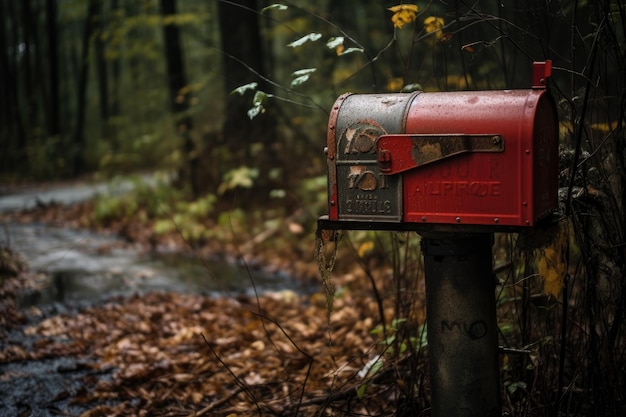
(454, 167)
(462, 327)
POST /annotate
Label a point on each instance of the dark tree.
(242, 63)
(53, 103)
(101, 65)
(113, 86)
(12, 124)
(79, 141)
(178, 100)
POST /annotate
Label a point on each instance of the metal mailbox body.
(485, 158)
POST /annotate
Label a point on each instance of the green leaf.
(377, 330)
(376, 367)
(276, 6)
(360, 392)
(255, 111)
(163, 226)
(515, 385)
(303, 71)
(242, 89)
(300, 80)
(312, 37)
(389, 340)
(335, 42)
(257, 104)
(259, 98)
(275, 173)
(301, 75)
(395, 323)
(278, 193)
(351, 50)
(409, 88)
(242, 177)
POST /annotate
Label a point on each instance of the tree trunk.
(53, 104)
(101, 67)
(12, 123)
(242, 63)
(179, 101)
(29, 42)
(115, 69)
(79, 139)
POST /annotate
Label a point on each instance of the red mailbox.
(472, 158)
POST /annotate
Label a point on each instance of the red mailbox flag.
(541, 72)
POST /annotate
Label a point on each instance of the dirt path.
(166, 354)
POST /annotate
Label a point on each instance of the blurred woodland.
(119, 86)
(231, 97)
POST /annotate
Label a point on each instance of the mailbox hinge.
(402, 152)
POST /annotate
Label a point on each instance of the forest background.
(230, 101)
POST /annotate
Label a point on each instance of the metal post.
(462, 328)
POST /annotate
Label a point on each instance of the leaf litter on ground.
(166, 353)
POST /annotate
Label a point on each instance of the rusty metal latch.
(402, 152)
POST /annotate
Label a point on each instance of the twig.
(216, 404)
(581, 122)
(236, 379)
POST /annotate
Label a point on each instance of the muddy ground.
(172, 354)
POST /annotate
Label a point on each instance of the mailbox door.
(357, 189)
(514, 188)
(546, 161)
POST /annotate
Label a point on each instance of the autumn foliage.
(355, 347)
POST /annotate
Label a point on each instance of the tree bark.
(101, 66)
(53, 104)
(179, 102)
(79, 139)
(29, 79)
(12, 124)
(242, 63)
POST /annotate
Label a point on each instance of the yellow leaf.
(434, 24)
(366, 248)
(403, 14)
(552, 264)
(566, 128)
(395, 84)
(604, 127)
(551, 268)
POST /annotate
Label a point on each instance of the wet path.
(13, 199)
(81, 268)
(84, 266)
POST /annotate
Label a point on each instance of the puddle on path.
(85, 267)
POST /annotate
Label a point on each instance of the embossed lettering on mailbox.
(365, 191)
